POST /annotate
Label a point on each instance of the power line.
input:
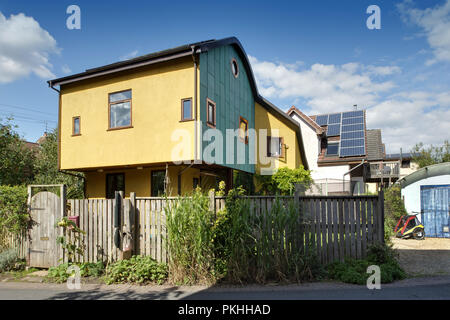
(24, 108)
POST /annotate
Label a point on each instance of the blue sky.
(316, 55)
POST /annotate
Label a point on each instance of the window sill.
(186, 120)
(119, 128)
(211, 125)
(76, 135)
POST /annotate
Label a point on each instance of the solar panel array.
(348, 125)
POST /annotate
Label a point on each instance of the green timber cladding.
(233, 98)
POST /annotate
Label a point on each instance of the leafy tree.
(46, 168)
(283, 181)
(426, 156)
(16, 160)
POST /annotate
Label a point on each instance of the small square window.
(275, 147)
(114, 182)
(120, 109)
(76, 126)
(243, 129)
(210, 113)
(332, 149)
(186, 109)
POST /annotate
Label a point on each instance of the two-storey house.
(170, 121)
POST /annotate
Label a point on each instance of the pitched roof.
(374, 145)
(311, 122)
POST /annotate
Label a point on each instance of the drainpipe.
(343, 176)
(194, 58)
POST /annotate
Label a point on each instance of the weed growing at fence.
(73, 241)
(59, 273)
(138, 269)
(190, 240)
(255, 245)
(355, 271)
(9, 260)
(394, 208)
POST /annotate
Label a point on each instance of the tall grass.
(241, 244)
(189, 240)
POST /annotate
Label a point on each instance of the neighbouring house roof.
(426, 172)
(185, 51)
(311, 122)
(374, 145)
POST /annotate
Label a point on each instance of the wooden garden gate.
(46, 209)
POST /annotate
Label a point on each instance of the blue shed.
(428, 191)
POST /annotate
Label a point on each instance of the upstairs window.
(275, 147)
(243, 129)
(186, 109)
(210, 113)
(120, 110)
(76, 126)
(332, 149)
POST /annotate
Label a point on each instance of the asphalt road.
(436, 288)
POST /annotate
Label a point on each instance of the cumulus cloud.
(435, 23)
(325, 87)
(405, 117)
(24, 48)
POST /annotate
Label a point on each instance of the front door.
(435, 202)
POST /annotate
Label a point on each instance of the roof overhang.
(426, 172)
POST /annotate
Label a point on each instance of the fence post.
(381, 211)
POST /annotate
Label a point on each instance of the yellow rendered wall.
(266, 120)
(156, 112)
(139, 181)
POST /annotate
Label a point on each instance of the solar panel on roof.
(354, 151)
(334, 118)
(351, 114)
(353, 127)
(358, 120)
(322, 120)
(352, 143)
(352, 135)
(334, 130)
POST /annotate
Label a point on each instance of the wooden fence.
(335, 226)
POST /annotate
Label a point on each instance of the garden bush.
(138, 269)
(9, 260)
(59, 273)
(14, 217)
(355, 271)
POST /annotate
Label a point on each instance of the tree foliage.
(16, 160)
(283, 181)
(425, 156)
(46, 168)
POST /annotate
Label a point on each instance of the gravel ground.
(424, 257)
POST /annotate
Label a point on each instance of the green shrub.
(59, 273)
(14, 217)
(190, 240)
(394, 208)
(9, 259)
(355, 271)
(138, 269)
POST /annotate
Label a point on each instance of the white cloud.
(435, 23)
(129, 55)
(66, 69)
(325, 87)
(24, 48)
(405, 117)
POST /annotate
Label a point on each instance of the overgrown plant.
(14, 217)
(394, 208)
(9, 259)
(190, 240)
(59, 273)
(138, 269)
(72, 241)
